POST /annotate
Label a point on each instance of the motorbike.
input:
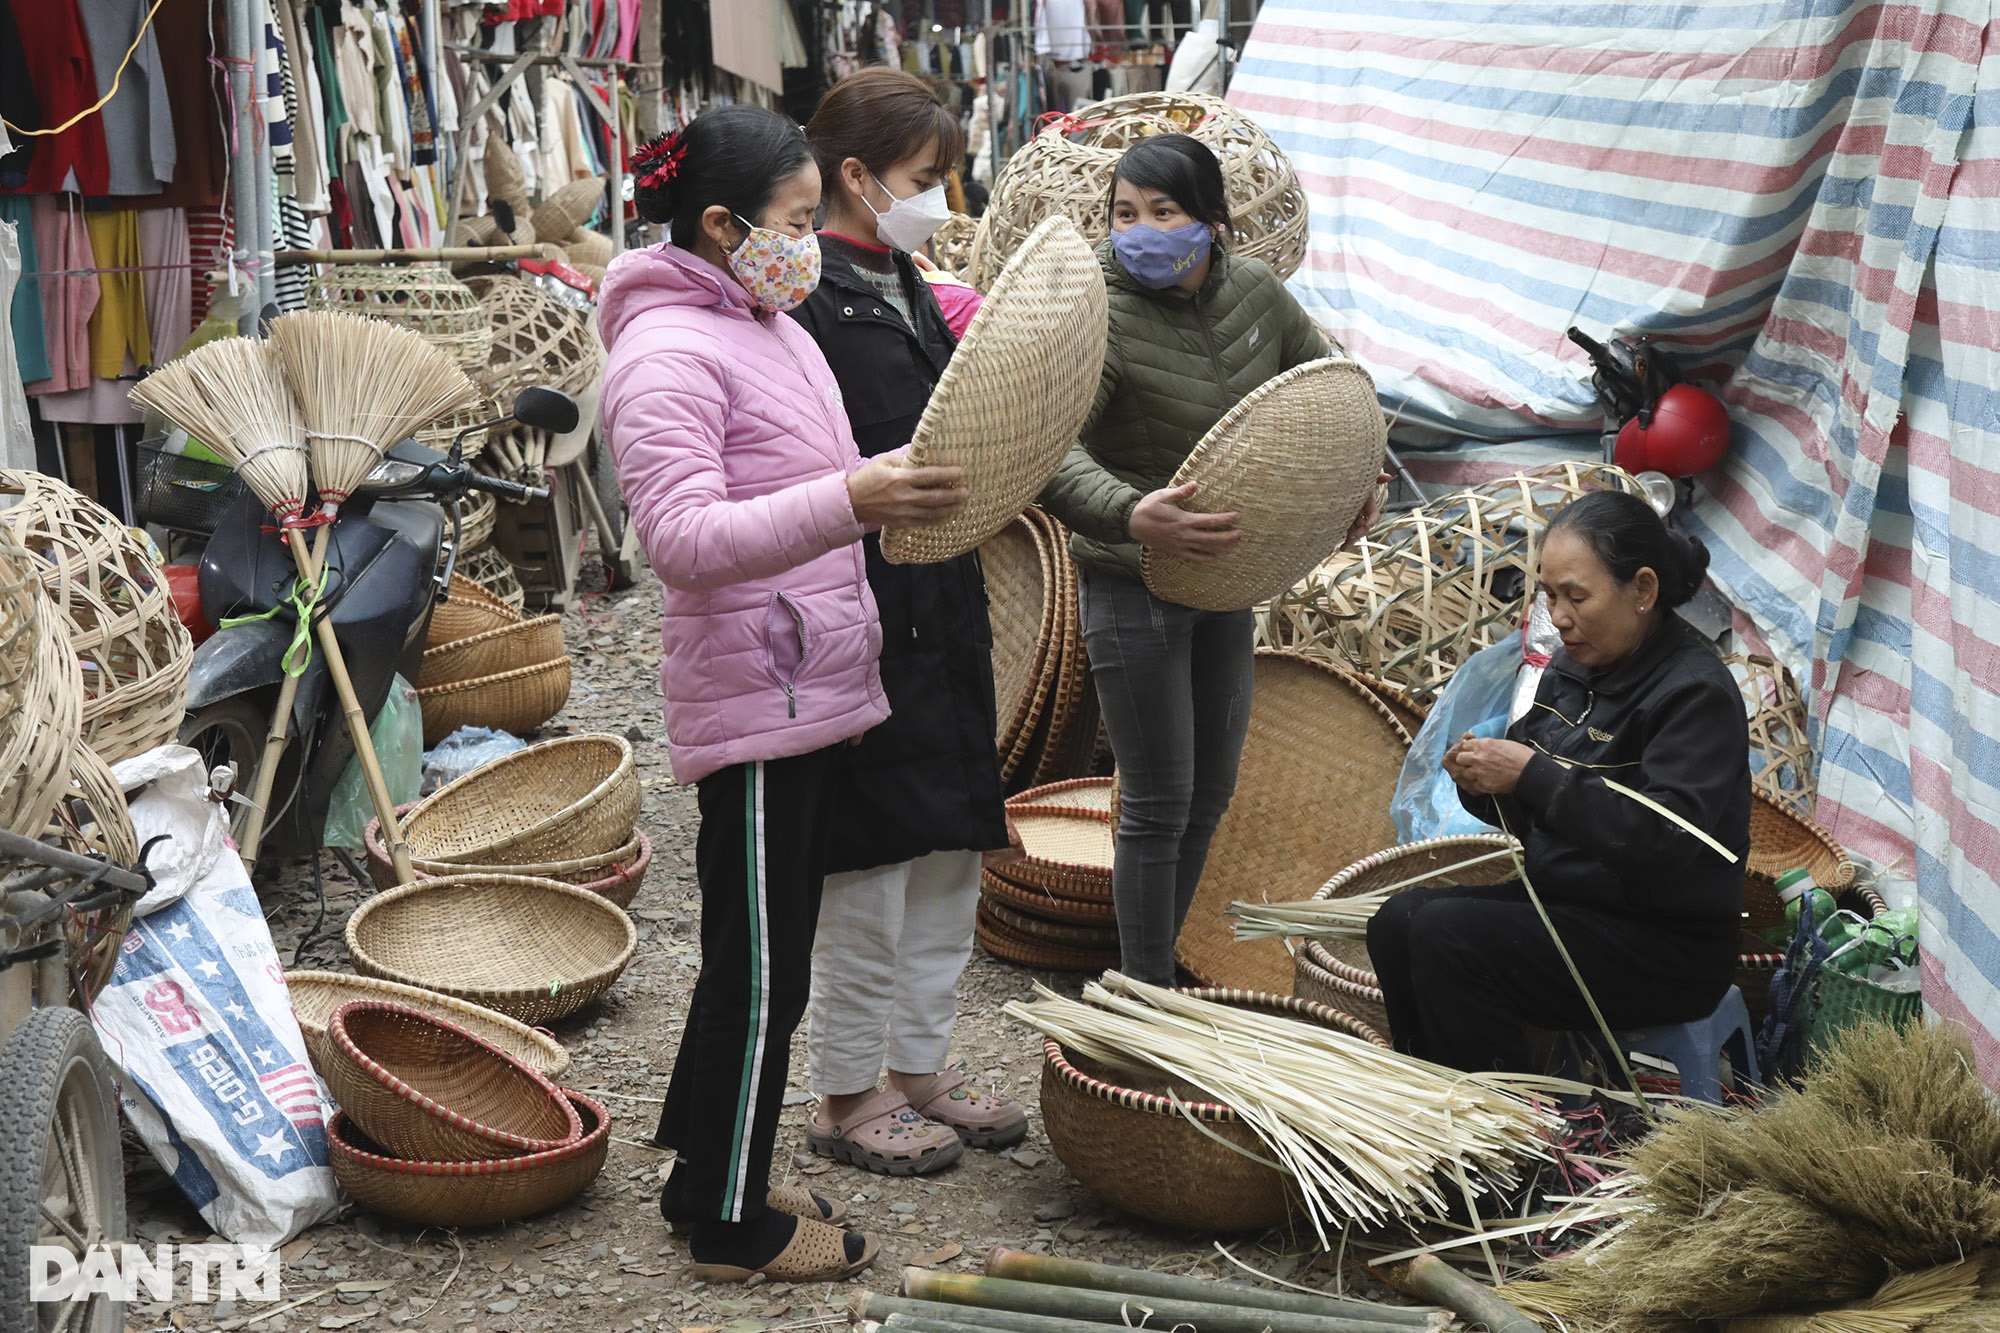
(390, 556)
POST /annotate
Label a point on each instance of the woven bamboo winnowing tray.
(1296, 460)
(1008, 407)
(1068, 853)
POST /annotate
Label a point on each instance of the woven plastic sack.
(1475, 699)
(398, 733)
(212, 1067)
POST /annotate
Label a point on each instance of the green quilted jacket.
(1176, 362)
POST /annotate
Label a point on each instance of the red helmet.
(1689, 434)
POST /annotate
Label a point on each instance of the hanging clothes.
(138, 120)
(275, 99)
(69, 295)
(210, 239)
(167, 253)
(118, 328)
(195, 92)
(17, 435)
(303, 111)
(65, 84)
(18, 106)
(31, 348)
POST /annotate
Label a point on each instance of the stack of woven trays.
(1052, 908)
(443, 1126)
(485, 666)
(1049, 722)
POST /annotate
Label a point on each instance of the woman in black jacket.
(921, 797)
(1649, 911)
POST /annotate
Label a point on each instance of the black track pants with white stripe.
(760, 857)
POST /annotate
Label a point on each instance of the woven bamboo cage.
(423, 298)
(491, 571)
(105, 583)
(1427, 589)
(91, 817)
(569, 208)
(951, 245)
(1780, 754)
(592, 248)
(1067, 169)
(41, 695)
(536, 340)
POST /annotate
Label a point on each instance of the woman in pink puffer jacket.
(737, 463)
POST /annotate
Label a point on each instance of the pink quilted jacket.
(733, 451)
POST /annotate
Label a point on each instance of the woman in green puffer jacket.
(1193, 329)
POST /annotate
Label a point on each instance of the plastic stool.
(1695, 1049)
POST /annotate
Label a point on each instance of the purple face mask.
(1159, 259)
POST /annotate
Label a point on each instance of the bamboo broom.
(231, 395)
(362, 385)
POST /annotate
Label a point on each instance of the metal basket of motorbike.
(495, 573)
(183, 492)
(107, 589)
(495, 652)
(468, 609)
(577, 796)
(423, 298)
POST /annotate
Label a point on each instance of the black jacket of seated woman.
(1650, 913)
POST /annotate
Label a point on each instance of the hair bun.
(1692, 556)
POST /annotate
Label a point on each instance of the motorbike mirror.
(265, 316)
(546, 409)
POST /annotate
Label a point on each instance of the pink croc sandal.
(886, 1136)
(982, 1119)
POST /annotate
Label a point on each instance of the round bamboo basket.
(439, 434)
(1034, 951)
(1409, 714)
(1092, 797)
(1781, 756)
(1021, 606)
(476, 515)
(92, 819)
(1066, 171)
(423, 298)
(1069, 853)
(315, 995)
(425, 1088)
(1338, 972)
(468, 609)
(557, 801)
(569, 208)
(1127, 1137)
(533, 949)
(1062, 742)
(1780, 841)
(997, 890)
(492, 571)
(468, 1194)
(514, 701)
(1029, 915)
(536, 340)
(508, 648)
(41, 696)
(107, 590)
(617, 875)
(1312, 789)
(1428, 588)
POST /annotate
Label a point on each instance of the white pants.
(892, 942)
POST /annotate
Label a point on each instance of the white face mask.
(907, 223)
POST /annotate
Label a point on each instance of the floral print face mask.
(778, 271)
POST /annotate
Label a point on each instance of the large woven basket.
(425, 1088)
(517, 701)
(1312, 795)
(564, 799)
(497, 651)
(423, 298)
(1008, 407)
(1428, 588)
(534, 949)
(108, 592)
(1064, 738)
(469, 1194)
(1780, 841)
(616, 875)
(1020, 574)
(1297, 459)
(41, 696)
(315, 995)
(1066, 170)
(1098, 935)
(468, 609)
(1339, 972)
(1036, 951)
(1093, 796)
(997, 890)
(1131, 1144)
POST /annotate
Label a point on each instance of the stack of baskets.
(485, 666)
(1049, 722)
(1052, 908)
(566, 810)
(441, 1126)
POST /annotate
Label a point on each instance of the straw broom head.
(231, 395)
(363, 384)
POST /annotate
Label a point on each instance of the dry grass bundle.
(1906, 1303)
(232, 396)
(362, 384)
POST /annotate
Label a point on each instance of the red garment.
(65, 83)
(195, 90)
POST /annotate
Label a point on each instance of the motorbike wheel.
(232, 731)
(62, 1180)
(604, 477)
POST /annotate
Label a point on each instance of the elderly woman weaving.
(1625, 782)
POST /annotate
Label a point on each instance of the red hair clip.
(660, 161)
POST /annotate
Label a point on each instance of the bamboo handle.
(357, 721)
(1430, 1278)
(267, 772)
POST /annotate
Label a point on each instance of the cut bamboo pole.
(902, 1312)
(279, 736)
(993, 1293)
(1430, 1278)
(450, 254)
(1049, 1271)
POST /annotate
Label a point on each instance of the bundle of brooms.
(1866, 1201)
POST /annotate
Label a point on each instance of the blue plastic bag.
(1475, 699)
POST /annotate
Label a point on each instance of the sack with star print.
(212, 1066)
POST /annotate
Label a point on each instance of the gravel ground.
(605, 1260)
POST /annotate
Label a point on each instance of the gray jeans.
(1174, 684)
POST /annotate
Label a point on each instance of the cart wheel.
(62, 1178)
(604, 479)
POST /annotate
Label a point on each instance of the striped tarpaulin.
(1801, 199)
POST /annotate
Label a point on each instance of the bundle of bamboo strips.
(1340, 918)
(1365, 1133)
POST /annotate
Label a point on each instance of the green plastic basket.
(1840, 1001)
